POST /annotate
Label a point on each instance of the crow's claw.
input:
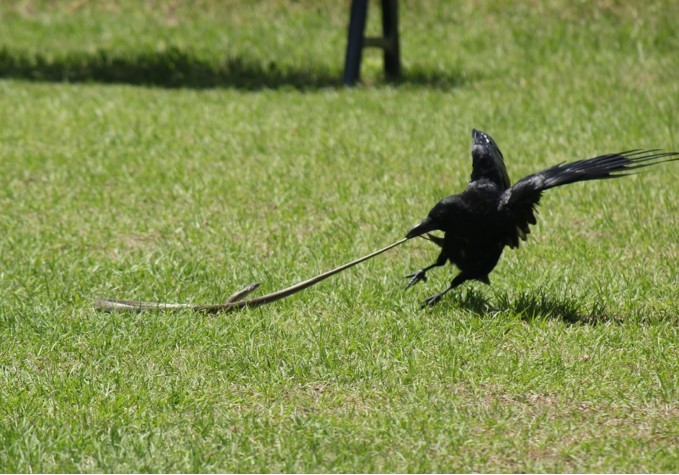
(431, 301)
(415, 277)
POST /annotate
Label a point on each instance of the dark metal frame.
(357, 40)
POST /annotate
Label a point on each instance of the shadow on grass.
(533, 306)
(178, 68)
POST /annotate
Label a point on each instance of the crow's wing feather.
(488, 163)
(518, 203)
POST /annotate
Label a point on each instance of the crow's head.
(488, 162)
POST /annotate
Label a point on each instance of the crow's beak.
(426, 225)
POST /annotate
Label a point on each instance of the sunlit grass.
(185, 188)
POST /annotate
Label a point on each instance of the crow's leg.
(421, 275)
(433, 300)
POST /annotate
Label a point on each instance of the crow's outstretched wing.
(518, 203)
(488, 162)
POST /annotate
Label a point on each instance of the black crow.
(491, 214)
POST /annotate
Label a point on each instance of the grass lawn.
(176, 151)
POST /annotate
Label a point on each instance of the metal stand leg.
(392, 54)
(352, 63)
(389, 42)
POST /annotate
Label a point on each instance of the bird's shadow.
(533, 306)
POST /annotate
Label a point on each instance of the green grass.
(164, 151)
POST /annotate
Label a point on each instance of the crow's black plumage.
(491, 214)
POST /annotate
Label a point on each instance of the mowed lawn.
(177, 151)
